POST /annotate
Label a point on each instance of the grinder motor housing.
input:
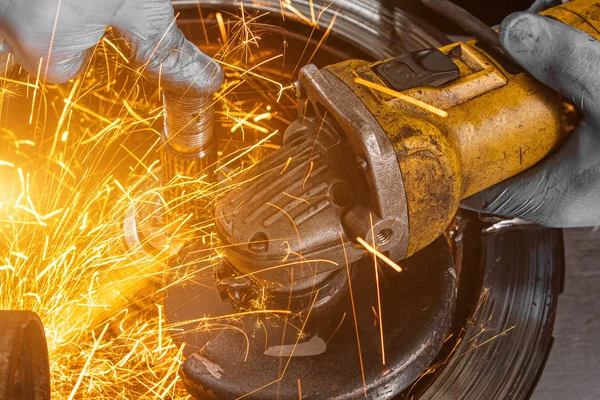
(360, 162)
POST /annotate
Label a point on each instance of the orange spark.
(296, 198)
(378, 294)
(260, 117)
(310, 168)
(286, 166)
(66, 108)
(291, 221)
(247, 151)
(58, 5)
(402, 96)
(202, 22)
(286, 265)
(323, 38)
(298, 14)
(29, 85)
(360, 358)
(291, 353)
(111, 44)
(379, 254)
(37, 81)
(245, 120)
(222, 28)
(87, 363)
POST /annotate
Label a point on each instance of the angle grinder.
(376, 164)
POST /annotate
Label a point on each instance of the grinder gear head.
(292, 221)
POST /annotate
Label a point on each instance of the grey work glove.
(564, 189)
(33, 29)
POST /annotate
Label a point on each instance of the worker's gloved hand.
(563, 190)
(65, 32)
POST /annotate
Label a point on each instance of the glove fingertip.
(520, 34)
(214, 75)
(69, 68)
(188, 70)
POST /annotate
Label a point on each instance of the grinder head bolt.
(361, 164)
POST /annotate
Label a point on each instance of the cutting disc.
(234, 357)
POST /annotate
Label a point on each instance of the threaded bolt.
(188, 122)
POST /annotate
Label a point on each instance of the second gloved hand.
(63, 33)
(563, 190)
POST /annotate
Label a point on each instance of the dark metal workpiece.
(507, 335)
(467, 21)
(571, 371)
(417, 312)
(24, 365)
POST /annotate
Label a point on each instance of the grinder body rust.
(360, 162)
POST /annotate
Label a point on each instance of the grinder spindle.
(188, 154)
(188, 148)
